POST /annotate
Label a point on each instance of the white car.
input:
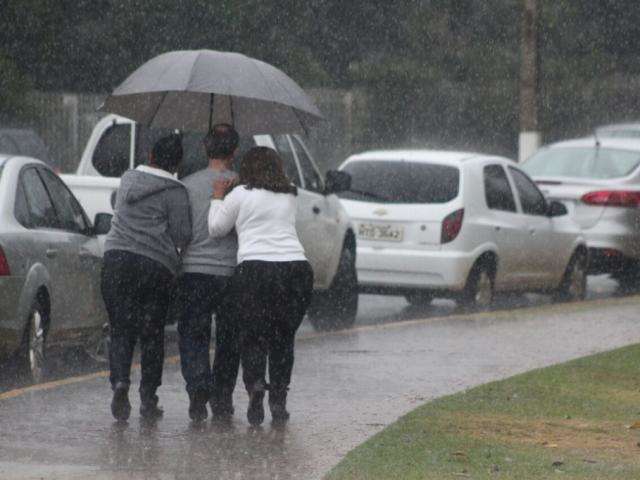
(461, 225)
(598, 180)
(118, 144)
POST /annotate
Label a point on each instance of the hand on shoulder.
(222, 186)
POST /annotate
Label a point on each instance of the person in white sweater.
(272, 285)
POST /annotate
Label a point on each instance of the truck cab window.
(286, 153)
(111, 156)
(312, 179)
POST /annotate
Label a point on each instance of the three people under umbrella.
(236, 256)
(228, 244)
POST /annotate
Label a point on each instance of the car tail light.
(4, 265)
(451, 226)
(613, 198)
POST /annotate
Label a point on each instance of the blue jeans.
(199, 298)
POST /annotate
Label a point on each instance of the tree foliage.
(439, 71)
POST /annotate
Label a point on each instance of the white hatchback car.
(461, 225)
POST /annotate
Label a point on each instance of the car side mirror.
(556, 209)
(102, 223)
(337, 181)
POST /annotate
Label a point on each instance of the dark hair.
(167, 152)
(221, 141)
(261, 167)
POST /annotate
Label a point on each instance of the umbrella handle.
(211, 112)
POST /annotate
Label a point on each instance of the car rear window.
(402, 182)
(586, 162)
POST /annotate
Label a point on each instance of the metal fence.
(65, 122)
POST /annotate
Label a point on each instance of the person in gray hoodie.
(207, 264)
(151, 223)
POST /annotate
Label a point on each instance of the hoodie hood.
(141, 184)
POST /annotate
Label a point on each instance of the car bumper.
(611, 246)
(413, 269)
(10, 326)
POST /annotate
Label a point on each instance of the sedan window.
(41, 211)
(497, 189)
(583, 162)
(401, 182)
(21, 208)
(70, 214)
(531, 198)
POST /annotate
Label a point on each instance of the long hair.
(262, 167)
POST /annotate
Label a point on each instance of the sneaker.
(255, 412)
(149, 409)
(120, 406)
(198, 406)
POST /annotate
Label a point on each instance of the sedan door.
(544, 246)
(509, 231)
(50, 248)
(82, 256)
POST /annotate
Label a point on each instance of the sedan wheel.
(33, 357)
(574, 282)
(484, 291)
(478, 293)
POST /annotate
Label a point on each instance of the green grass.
(569, 421)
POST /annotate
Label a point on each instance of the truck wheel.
(574, 282)
(479, 290)
(337, 307)
(33, 353)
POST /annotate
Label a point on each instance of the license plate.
(380, 231)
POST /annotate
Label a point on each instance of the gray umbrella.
(193, 89)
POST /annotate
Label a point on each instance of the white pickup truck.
(118, 144)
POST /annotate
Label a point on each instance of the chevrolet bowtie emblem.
(380, 211)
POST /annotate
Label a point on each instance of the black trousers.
(199, 298)
(270, 300)
(136, 292)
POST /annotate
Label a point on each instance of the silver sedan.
(50, 262)
(599, 181)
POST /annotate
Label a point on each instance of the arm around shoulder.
(224, 213)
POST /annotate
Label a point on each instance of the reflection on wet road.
(347, 386)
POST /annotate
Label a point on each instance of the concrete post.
(70, 105)
(529, 140)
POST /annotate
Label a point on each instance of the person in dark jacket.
(152, 222)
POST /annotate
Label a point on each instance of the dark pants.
(226, 361)
(270, 300)
(136, 292)
(199, 298)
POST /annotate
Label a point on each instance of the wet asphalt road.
(346, 387)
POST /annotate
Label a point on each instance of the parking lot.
(347, 386)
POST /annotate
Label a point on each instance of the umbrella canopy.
(192, 90)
